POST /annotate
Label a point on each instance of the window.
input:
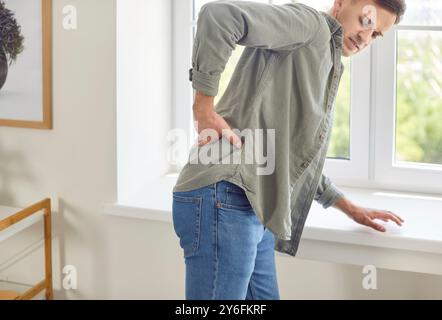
(387, 131)
(419, 93)
(409, 100)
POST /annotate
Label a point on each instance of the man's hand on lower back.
(206, 118)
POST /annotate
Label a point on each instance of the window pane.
(419, 97)
(340, 139)
(423, 13)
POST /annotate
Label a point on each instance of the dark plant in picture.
(11, 41)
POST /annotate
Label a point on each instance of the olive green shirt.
(286, 80)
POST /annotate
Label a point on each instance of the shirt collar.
(335, 27)
(336, 32)
(333, 24)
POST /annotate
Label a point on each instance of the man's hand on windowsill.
(366, 216)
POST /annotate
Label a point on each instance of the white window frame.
(355, 170)
(407, 176)
(183, 34)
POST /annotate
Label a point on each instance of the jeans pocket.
(236, 198)
(186, 216)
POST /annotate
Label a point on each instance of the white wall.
(144, 93)
(75, 165)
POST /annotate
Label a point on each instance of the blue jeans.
(228, 253)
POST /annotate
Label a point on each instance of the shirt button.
(322, 136)
(190, 74)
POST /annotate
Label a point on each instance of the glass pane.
(340, 139)
(419, 97)
(423, 13)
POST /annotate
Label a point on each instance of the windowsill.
(329, 235)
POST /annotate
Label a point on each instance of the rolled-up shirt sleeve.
(327, 193)
(223, 24)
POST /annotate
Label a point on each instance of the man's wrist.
(201, 98)
(345, 205)
(202, 103)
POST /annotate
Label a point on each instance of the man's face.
(362, 21)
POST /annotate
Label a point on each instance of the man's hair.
(397, 7)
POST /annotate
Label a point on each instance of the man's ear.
(337, 6)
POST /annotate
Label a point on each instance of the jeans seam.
(244, 209)
(215, 234)
(197, 233)
(251, 288)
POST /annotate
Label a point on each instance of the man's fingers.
(391, 217)
(232, 137)
(402, 220)
(202, 143)
(203, 140)
(206, 136)
(375, 225)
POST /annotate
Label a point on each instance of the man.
(231, 216)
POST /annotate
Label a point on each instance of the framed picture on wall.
(26, 63)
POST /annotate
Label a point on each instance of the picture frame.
(26, 95)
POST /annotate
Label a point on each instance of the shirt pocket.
(186, 217)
